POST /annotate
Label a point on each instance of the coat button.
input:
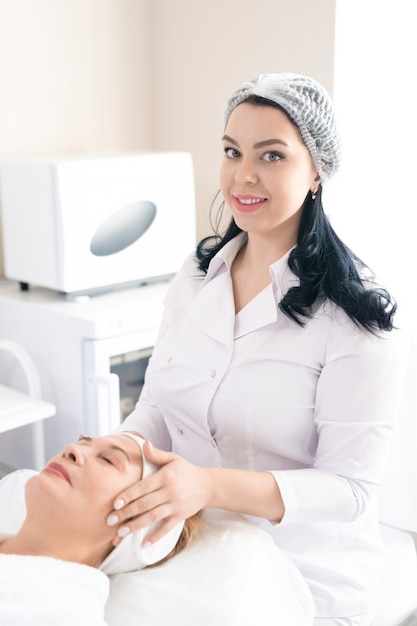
(213, 373)
(180, 431)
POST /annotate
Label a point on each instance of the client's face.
(75, 492)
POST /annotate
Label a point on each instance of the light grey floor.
(412, 621)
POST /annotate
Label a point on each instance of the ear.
(315, 185)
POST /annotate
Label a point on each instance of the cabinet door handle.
(106, 423)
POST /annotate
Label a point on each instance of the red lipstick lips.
(58, 470)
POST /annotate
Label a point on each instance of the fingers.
(116, 541)
(156, 455)
(161, 514)
(132, 493)
(153, 537)
(169, 495)
(136, 509)
(147, 503)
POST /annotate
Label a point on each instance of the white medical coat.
(315, 406)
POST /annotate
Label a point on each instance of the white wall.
(72, 75)
(113, 75)
(203, 50)
(374, 93)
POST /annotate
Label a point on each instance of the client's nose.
(74, 452)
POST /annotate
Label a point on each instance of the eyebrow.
(259, 144)
(110, 446)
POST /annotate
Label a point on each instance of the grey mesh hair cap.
(309, 107)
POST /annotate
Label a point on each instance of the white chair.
(18, 409)
(398, 505)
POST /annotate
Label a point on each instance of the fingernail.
(119, 504)
(146, 545)
(112, 520)
(122, 532)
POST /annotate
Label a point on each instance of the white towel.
(42, 591)
(233, 575)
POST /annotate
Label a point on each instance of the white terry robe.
(40, 590)
(43, 591)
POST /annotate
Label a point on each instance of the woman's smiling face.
(267, 170)
(75, 491)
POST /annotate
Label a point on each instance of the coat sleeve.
(357, 401)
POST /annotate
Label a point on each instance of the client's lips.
(58, 470)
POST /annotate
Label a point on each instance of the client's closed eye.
(107, 459)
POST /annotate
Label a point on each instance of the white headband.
(129, 554)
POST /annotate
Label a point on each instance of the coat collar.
(217, 291)
(282, 276)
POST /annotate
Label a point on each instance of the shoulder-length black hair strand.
(326, 268)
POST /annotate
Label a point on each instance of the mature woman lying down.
(58, 564)
(63, 550)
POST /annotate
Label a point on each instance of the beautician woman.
(273, 387)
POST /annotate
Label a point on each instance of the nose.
(245, 172)
(75, 453)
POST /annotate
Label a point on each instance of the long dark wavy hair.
(326, 268)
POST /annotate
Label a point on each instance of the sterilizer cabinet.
(91, 353)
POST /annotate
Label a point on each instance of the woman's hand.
(175, 492)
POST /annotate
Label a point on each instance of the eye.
(231, 153)
(107, 460)
(272, 157)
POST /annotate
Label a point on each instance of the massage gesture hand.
(175, 492)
